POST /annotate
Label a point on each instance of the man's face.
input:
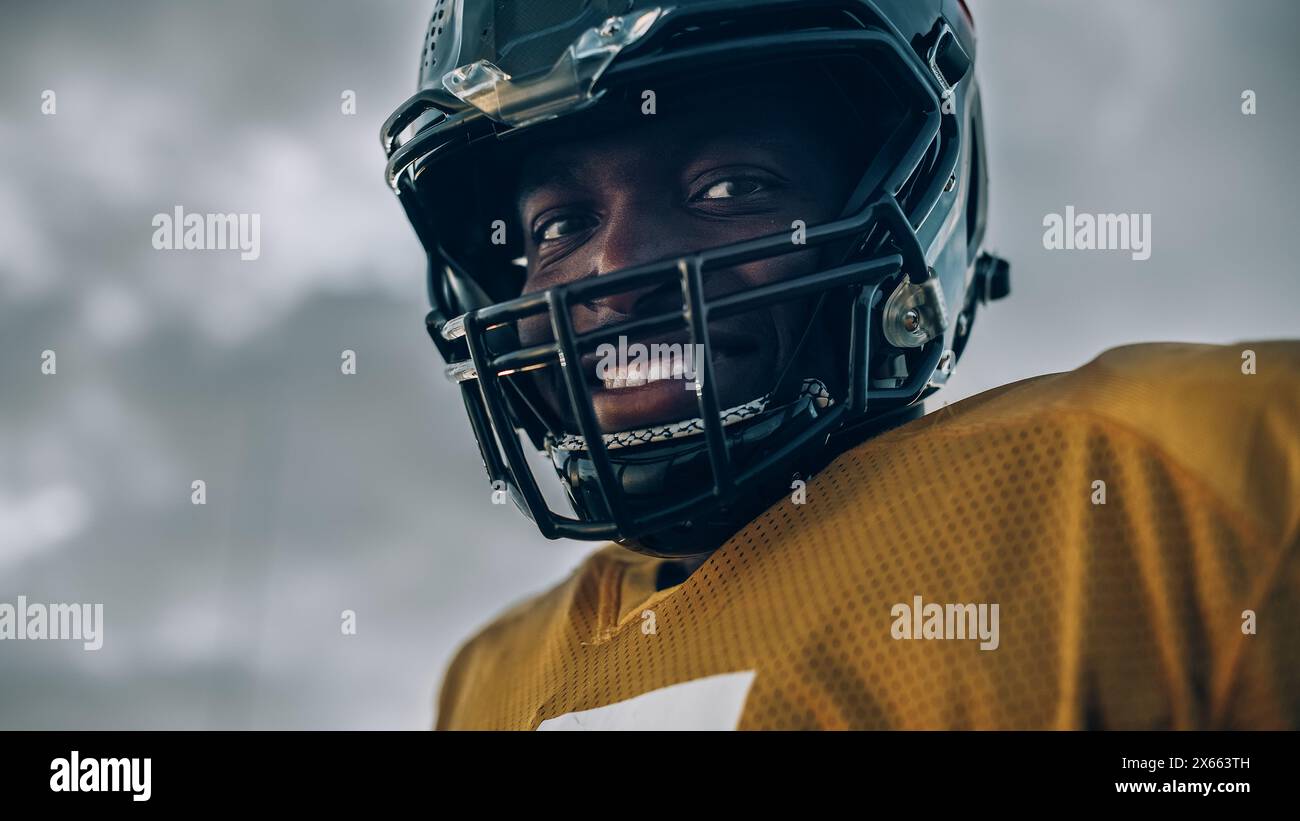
(733, 167)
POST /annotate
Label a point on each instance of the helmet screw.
(912, 321)
(946, 362)
(611, 27)
(951, 184)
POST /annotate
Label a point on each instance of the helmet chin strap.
(789, 380)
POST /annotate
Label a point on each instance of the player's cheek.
(760, 273)
(534, 330)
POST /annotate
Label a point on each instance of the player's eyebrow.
(558, 174)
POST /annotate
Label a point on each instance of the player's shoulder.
(510, 637)
(1192, 376)
(1222, 417)
(1165, 376)
(1171, 393)
(537, 608)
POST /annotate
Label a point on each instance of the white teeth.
(616, 369)
(637, 374)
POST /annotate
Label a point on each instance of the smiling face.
(722, 167)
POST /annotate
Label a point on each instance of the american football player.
(695, 266)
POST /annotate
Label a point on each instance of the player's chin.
(666, 401)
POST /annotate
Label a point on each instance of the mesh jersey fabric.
(1122, 614)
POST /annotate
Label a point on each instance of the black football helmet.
(902, 276)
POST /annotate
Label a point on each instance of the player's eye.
(730, 189)
(562, 226)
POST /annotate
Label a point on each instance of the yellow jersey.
(1113, 547)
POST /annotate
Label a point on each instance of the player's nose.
(635, 235)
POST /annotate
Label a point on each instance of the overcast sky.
(365, 492)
